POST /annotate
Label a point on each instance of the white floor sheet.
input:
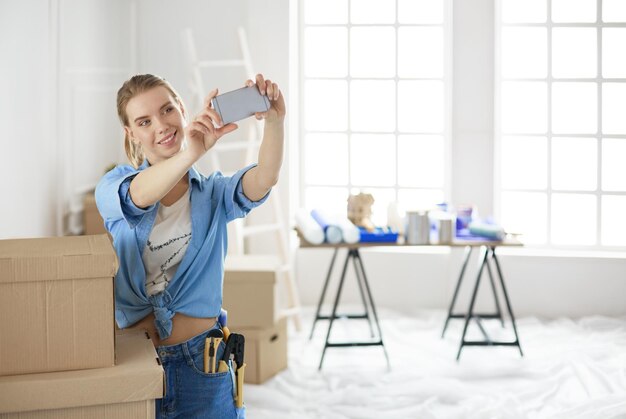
(571, 369)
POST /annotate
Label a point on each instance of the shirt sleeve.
(238, 205)
(113, 197)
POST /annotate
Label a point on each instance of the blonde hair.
(132, 87)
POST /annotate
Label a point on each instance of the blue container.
(380, 235)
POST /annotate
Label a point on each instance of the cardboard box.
(56, 304)
(126, 390)
(250, 292)
(92, 221)
(265, 351)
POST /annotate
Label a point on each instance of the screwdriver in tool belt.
(211, 343)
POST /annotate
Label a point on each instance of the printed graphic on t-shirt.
(172, 249)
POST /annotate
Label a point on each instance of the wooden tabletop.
(509, 242)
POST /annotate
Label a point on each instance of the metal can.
(417, 229)
(445, 230)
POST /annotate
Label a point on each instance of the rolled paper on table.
(332, 232)
(489, 231)
(310, 229)
(349, 231)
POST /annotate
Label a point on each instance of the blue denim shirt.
(196, 289)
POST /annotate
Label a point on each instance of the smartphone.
(239, 104)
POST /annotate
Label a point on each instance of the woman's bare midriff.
(183, 328)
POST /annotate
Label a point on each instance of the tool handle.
(206, 356)
(215, 342)
(240, 374)
(222, 366)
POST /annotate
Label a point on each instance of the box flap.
(251, 268)
(51, 258)
(137, 376)
(262, 333)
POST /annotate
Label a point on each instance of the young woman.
(168, 224)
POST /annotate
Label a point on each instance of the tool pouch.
(218, 386)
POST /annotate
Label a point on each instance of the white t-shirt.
(167, 244)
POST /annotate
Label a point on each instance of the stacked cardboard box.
(126, 390)
(92, 221)
(57, 337)
(250, 296)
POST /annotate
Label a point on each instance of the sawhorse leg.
(319, 304)
(487, 251)
(366, 315)
(367, 299)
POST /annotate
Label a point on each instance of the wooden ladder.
(240, 229)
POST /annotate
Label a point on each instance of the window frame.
(599, 81)
(446, 80)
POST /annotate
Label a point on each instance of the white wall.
(27, 144)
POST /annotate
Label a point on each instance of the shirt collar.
(193, 173)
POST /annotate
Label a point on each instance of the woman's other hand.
(203, 131)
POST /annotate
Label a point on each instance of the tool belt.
(232, 360)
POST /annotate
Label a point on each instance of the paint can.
(417, 227)
(445, 230)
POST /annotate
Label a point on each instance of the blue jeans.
(189, 392)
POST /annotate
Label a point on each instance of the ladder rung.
(256, 229)
(284, 268)
(293, 311)
(235, 145)
(221, 63)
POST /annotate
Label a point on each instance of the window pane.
(573, 219)
(413, 199)
(574, 108)
(326, 11)
(524, 52)
(372, 11)
(614, 108)
(524, 107)
(524, 163)
(326, 159)
(574, 164)
(613, 57)
(420, 106)
(333, 200)
(420, 11)
(372, 52)
(525, 213)
(573, 10)
(420, 160)
(326, 105)
(613, 167)
(574, 52)
(373, 159)
(524, 11)
(420, 52)
(382, 198)
(326, 52)
(613, 10)
(373, 105)
(613, 220)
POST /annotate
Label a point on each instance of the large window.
(375, 109)
(562, 121)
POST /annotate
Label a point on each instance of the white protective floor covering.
(571, 369)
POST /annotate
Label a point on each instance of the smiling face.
(156, 121)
